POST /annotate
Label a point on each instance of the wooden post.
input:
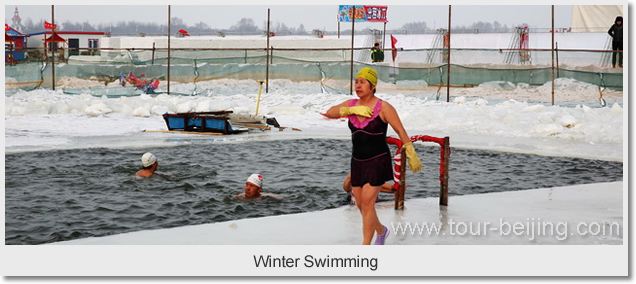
(383, 35)
(353, 26)
(399, 195)
(267, 57)
(449, 56)
(258, 100)
(556, 50)
(443, 195)
(53, 44)
(168, 87)
(552, 52)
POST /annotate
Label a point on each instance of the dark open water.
(54, 196)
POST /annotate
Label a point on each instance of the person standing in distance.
(377, 55)
(616, 32)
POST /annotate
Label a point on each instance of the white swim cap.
(148, 159)
(256, 179)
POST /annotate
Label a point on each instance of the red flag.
(6, 27)
(49, 26)
(393, 49)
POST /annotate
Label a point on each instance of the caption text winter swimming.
(310, 261)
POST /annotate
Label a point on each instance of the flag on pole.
(49, 26)
(393, 49)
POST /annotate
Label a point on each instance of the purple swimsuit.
(371, 158)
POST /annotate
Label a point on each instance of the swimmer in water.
(253, 187)
(149, 163)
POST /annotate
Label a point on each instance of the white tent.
(594, 18)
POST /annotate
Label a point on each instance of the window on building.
(52, 45)
(93, 43)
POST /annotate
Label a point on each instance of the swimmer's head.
(148, 159)
(253, 186)
(256, 179)
(369, 74)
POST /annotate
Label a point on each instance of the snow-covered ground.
(474, 118)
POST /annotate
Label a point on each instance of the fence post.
(399, 195)
(443, 195)
(268, 52)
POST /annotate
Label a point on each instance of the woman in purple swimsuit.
(371, 163)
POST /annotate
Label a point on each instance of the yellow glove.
(414, 162)
(357, 110)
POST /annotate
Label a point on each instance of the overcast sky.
(311, 16)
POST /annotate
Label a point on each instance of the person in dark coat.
(377, 55)
(616, 32)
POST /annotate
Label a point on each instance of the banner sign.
(362, 13)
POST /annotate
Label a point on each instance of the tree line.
(494, 27)
(244, 26)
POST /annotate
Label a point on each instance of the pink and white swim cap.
(256, 179)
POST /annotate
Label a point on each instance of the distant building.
(14, 43)
(16, 21)
(77, 43)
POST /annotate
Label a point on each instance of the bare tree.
(245, 25)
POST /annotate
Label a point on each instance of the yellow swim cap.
(368, 74)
